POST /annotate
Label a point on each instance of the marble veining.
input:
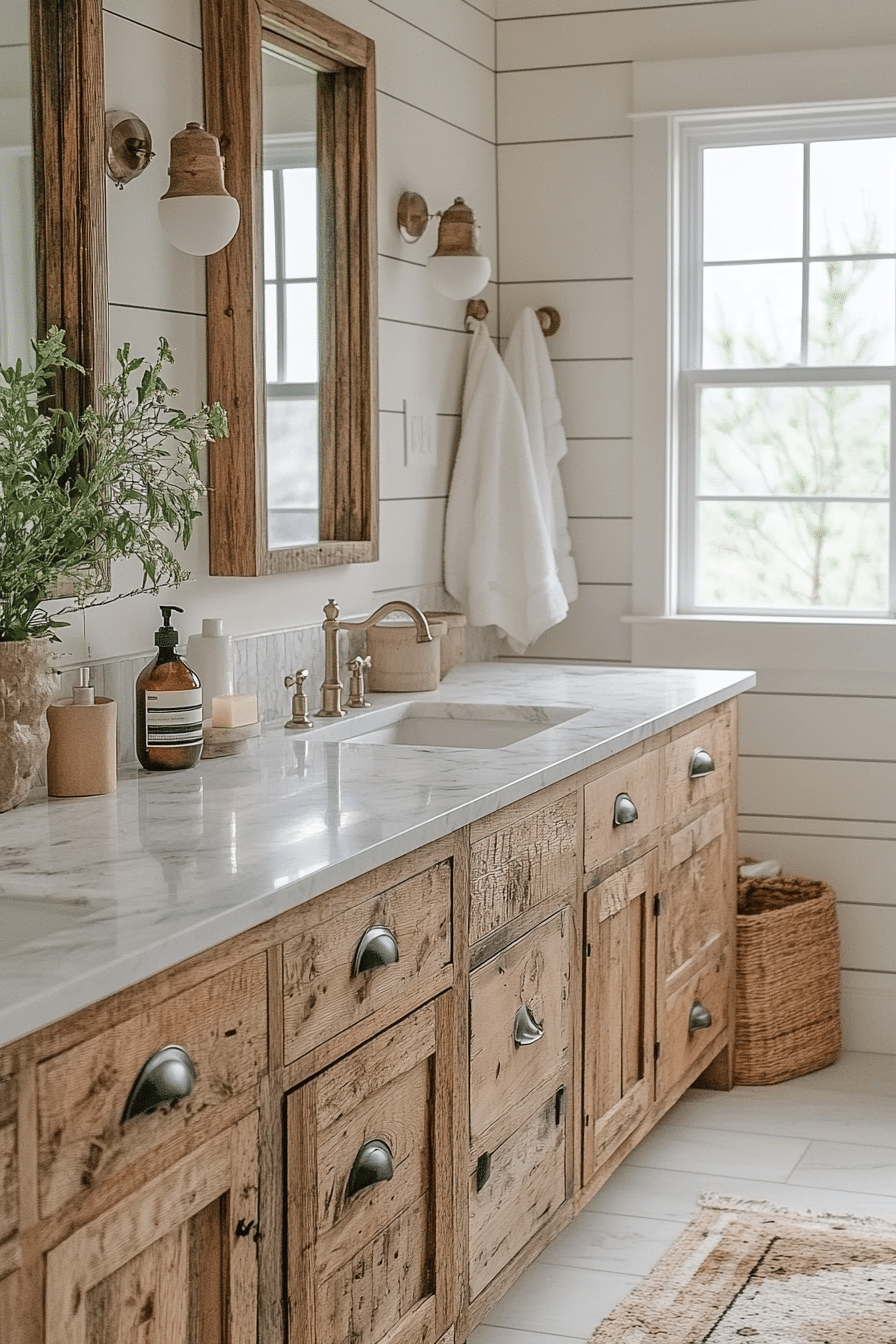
(169, 865)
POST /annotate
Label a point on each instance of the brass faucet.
(331, 686)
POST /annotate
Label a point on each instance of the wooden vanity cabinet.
(375, 1154)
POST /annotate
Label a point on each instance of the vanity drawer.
(82, 1093)
(324, 993)
(519, 1023)
(516, 1189)
(611, 803)
(683, 1039)
(368, 1166)
(519, 862)
(700, 764)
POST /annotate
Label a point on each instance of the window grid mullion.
(804, 318)
(280, 273)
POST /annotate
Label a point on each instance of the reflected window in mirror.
(18, 278)
(52, 187)
(292, 299)
(292, 365)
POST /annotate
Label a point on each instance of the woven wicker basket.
(788, 978)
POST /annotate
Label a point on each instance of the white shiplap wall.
(818, 750)
(436, 134)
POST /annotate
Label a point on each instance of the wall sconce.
(197, 213)
(456, 269)
(128, 147)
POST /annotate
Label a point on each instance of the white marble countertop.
(99, 893)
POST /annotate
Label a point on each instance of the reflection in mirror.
(292, 299)
(289, 160)
(18, 299)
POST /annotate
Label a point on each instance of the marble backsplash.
(260, 663)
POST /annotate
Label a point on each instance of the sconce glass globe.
(199, 225)
(458, 277)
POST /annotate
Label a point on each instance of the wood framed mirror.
(53, 198)
(292, 299)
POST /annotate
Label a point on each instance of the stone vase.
(27, 685)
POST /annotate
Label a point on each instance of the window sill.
(841, 645)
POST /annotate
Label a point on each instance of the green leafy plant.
(117, 480)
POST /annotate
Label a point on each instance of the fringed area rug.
(744, 1271)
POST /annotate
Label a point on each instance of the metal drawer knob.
(166, 1077)
(378, 947)
(700, 1018)
(372, 1165)
(701, 764)
(526, 1031)
(624, 810)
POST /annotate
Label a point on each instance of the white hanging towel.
(499, 562)
(529, 365)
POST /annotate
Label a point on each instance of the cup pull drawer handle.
(378, 947)
(526, 1031)
(700, 1018)
(624, 810)
(373, 1164)
(166, 1077)
(701, 764)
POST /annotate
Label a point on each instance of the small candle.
(233, 711)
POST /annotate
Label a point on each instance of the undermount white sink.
(418, 723)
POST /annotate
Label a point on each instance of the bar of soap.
(232, 711)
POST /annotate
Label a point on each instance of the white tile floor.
(826, 1142)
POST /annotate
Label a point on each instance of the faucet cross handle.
(356, 667)
(300, 717)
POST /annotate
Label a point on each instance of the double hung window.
(787, 364)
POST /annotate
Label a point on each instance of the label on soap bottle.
(174, 718)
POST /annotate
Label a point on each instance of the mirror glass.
(18, 284)
(292, 311)
(291, 344)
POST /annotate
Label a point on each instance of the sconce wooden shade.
(196, 167)
(457, 231)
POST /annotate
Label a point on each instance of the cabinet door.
(369, 1190)
(620, 970)
(174, 1263)
(696, 938)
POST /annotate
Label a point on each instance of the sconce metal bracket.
(128, 147)
(413, 216)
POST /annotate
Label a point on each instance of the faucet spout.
(331, 686)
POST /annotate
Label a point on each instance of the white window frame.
(694, 135)
(666, 96)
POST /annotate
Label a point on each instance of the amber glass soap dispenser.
(169, 706)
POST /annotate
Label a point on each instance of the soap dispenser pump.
(168, 705)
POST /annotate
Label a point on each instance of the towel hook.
(549, 318)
